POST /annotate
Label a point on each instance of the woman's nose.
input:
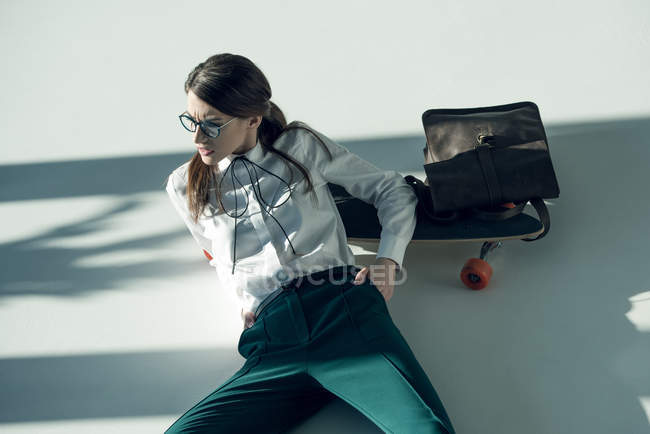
(199, 137)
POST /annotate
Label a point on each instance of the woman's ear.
(254, 121)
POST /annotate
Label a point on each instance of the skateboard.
(362, 224)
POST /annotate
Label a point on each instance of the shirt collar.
(254, 154)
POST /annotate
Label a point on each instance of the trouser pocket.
(369, 311)
(253, 340)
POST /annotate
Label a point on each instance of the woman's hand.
(248, 318)
(381, 274)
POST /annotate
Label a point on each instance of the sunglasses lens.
(188, 123)
(211, 129)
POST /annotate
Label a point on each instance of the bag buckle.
(484, 140)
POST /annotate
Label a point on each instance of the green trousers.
(315, 342)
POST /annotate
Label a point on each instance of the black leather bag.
(479, 159)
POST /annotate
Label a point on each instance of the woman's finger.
(249, 319)
(361, 276)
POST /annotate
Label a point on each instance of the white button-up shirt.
(269, 230)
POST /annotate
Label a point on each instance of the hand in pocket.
(248, 318)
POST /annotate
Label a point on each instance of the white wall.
(90, 79)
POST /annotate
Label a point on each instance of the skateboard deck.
(362, 224)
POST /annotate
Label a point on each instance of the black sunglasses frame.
(200, 124)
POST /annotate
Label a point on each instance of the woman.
(315, 326)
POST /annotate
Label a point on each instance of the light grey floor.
(110, 322)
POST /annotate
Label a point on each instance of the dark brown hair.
(235, 86)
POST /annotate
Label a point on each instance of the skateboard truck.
(477, 272)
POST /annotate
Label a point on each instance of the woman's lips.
(205, 151)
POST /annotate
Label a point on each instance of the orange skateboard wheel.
(207, 255)
(476, 273)
(508, 205)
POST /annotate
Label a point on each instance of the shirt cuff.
(393, 247)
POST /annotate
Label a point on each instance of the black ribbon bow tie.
(260, 199)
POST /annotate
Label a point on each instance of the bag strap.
(484, 154)
(490, 214)
(426, 204)
(544, 217)
(537, 202)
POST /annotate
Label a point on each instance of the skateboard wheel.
(207, 255)
(508, 205)
(476, 273)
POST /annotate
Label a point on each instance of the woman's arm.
(387, 190)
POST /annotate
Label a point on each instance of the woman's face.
(237, 137)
